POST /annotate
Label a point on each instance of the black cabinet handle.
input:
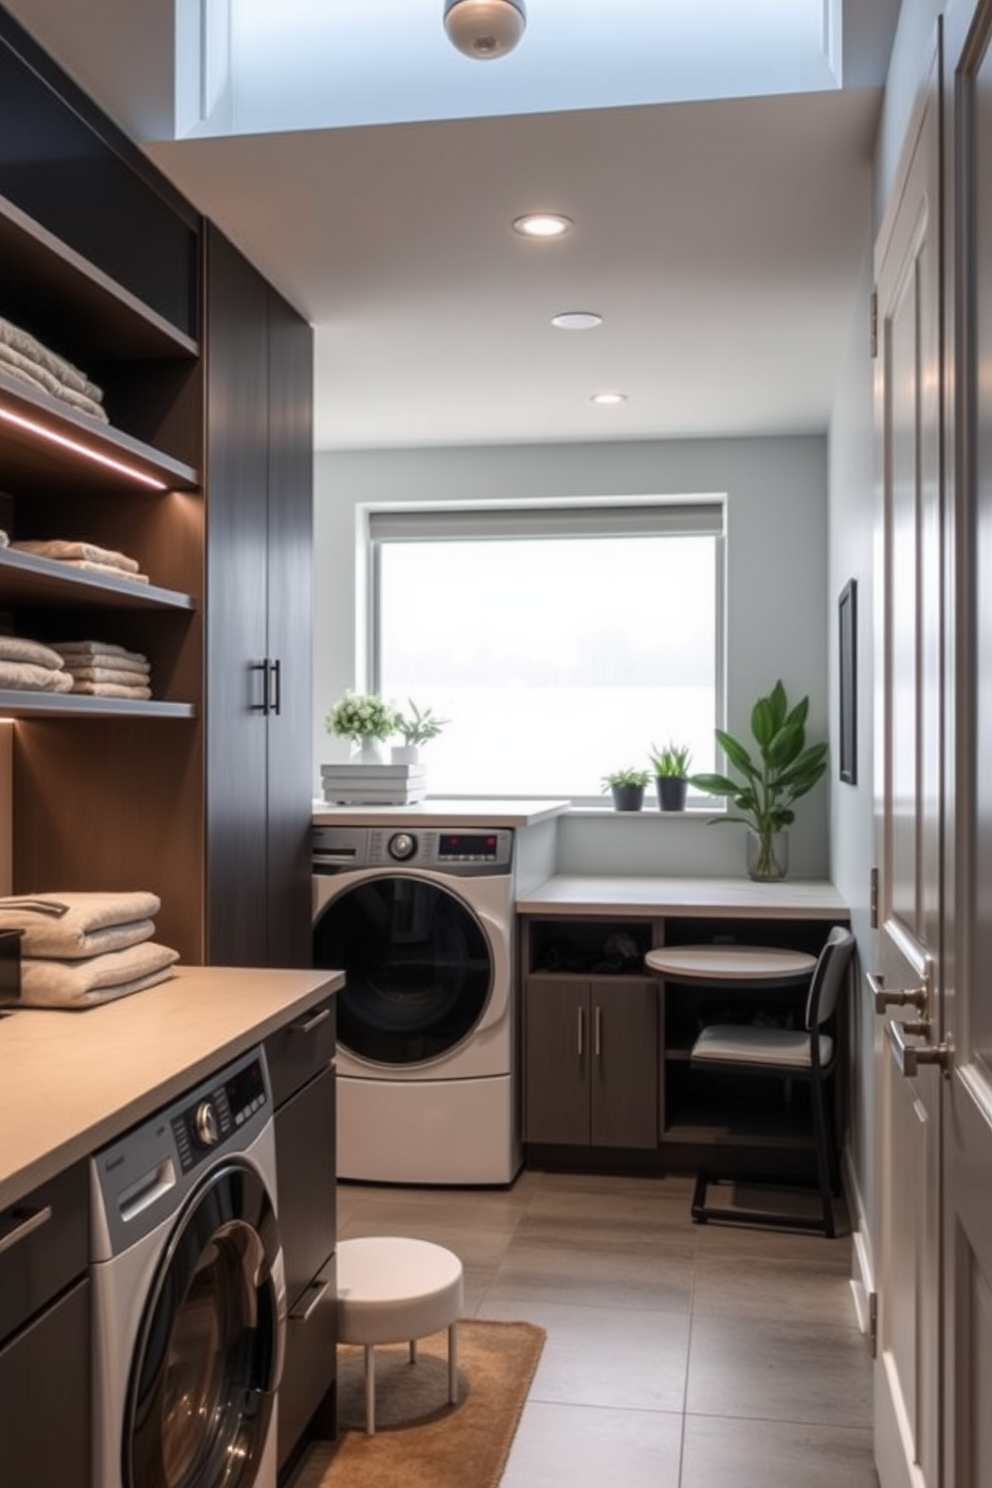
(263, 667)
(275, 673)
(26, 1222)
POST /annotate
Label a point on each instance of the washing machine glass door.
(206, 1367)
(418, 966)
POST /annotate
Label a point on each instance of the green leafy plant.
(418, 727)
(785, 769)
(627, 777)
(362, 716)
(673, 760)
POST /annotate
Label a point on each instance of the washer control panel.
(212, 1117)
(457, 850)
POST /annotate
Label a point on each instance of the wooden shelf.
(52, 277)
(28, 579)
(46, 444)
(698, 1123)
(77, 705)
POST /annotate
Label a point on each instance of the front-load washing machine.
(189, 1294)
(420, 919)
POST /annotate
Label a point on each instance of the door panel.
(909, 826)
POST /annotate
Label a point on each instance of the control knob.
(206, 1125)
(402, 845)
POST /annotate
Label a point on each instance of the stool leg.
(413, 1351)
(453, 1363)
(370, 1389)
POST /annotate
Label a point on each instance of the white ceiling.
(721, 241)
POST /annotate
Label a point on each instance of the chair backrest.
(828, 977)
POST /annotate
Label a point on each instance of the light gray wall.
(777, 610)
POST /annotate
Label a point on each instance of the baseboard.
(863, 1288)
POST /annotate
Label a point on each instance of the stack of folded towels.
(104, 669)
(23, 357)
(81, 949)
(32, 667)
(77, 553)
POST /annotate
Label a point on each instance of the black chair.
(808, 1054)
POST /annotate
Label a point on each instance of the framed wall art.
(847, 610)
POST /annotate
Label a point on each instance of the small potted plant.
(628, 788)
(364, 718)
(416, 728)
(671, 771)
(785, 770)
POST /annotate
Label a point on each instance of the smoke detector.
(485, 29)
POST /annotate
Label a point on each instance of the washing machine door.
(209, 1352)
(418, 967)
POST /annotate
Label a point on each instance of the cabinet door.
(624, 1062)
(556, 1060)
(290, 627)
(237, 559)
(45, 1398)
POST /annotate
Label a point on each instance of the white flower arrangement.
(362, 716)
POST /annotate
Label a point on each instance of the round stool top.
(391, 1289)
(732, 963)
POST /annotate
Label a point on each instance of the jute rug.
(420, 1440)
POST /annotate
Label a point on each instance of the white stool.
(394, 1290)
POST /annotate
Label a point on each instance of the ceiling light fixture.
(576, 320)
(542, 225)
(607, 400)
(485, 29)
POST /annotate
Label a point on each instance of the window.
(561, 643)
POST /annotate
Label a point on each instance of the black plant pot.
(672, 792)
(628, 797)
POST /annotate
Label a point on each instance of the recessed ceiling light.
(542, 225)
(576, 320)
(605, 399)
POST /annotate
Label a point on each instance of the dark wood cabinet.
(300, 1059)
(259, 524)
(45, 1364)
(591, 1061)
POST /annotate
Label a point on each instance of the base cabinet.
(303, 1086)
(591, 1061)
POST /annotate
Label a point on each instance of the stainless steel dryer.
(189, 1293)
(420, 919)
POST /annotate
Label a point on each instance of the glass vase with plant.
(784, 770)
(363, 717)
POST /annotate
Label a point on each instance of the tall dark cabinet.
(259, 528)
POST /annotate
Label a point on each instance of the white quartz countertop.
(441, 813)
(800, 899)
(71, 1081)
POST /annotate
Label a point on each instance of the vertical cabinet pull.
(582, 1020)
(275, 690)
(597, 1033)
(254, 668)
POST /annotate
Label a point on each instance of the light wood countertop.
(71, 1081)
(737, 898)
(441, 813)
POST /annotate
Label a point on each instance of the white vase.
(368, 751)
(405, 754)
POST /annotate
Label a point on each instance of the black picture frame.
(847, 613)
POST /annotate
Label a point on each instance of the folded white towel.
(136, 672)
(24, 676)
(75, 650)
(48, 382)
(48, 939)
(81, 984)
(19, 648)
(65, 548)
(28, 345)
(63, 924)
(118, 675)
(111, 690)
(4, 539)
(104, 568)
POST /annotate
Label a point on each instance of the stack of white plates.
(373, 785)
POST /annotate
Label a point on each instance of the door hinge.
(873, 898)
(873, 1323)
(873, 324)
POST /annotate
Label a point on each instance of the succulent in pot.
(671, 770)
(627, 786)
(785, 769)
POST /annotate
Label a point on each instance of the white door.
(908, 971)
(967, 1220)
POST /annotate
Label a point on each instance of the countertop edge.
(568, 895)
(293, 992)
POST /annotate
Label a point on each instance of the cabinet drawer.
(301, 1049)
(305, 1181)
(44, 1245)
(45, 1398)
(310, 1367)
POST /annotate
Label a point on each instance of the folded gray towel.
(81, 984)
(38, 376)
(66, 548)
(65, 924)
(22, 341)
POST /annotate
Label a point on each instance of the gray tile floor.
(677, 1355)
